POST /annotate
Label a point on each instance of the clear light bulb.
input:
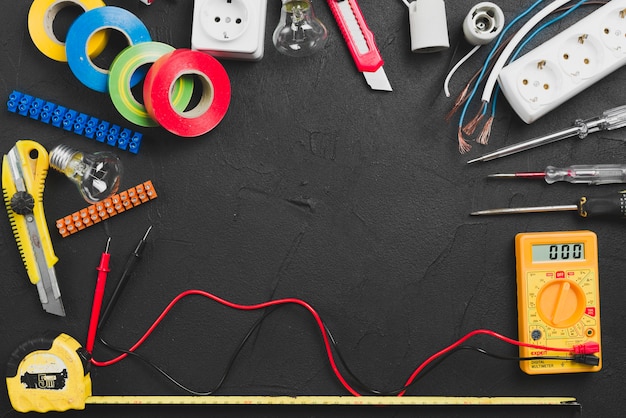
(97, 175)
(299, 33)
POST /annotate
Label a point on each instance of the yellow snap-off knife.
(24, 170)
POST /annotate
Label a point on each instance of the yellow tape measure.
(51, 374)
(558, 297)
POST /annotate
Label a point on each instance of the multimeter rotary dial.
(561, 303)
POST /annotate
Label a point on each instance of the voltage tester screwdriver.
(585, 174)
(612, 206)
(609, 120)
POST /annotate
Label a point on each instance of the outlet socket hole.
(228, 20)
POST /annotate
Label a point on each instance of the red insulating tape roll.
(212, 105)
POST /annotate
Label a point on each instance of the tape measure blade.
(330, 400)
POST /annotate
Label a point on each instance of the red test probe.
(103, 270)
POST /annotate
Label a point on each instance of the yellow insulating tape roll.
(41, 17)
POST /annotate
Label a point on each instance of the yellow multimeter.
(558, 297)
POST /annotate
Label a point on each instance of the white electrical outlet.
(232, 29)
(568, 63)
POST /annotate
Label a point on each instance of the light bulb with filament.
(97, 175)
(299, 33)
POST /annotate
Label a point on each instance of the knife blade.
(361, 42)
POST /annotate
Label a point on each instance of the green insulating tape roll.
(123, 67)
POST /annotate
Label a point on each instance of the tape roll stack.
(168, 85)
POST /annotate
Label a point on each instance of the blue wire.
(523, 44)
(491, 53)
(545, 25)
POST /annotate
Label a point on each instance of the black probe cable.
(227, 369)
(128, 269)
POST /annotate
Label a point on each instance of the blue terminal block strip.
(73, 121)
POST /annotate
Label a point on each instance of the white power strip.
(568, 63)
(229, 28)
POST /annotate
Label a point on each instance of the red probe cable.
(103, 270)
(325, 338)
(258, 306)
(467, 337)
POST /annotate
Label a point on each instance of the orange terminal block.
(109, 207)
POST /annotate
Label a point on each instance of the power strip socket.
(568, 63)
(233, 29)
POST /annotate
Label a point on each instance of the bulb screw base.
(60, 157)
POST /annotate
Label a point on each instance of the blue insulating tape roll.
(90, 22)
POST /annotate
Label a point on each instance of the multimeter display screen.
(558, 252)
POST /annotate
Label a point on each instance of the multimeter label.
(558, 298)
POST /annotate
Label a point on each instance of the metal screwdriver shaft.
(585, 174)
(611, 206)
(610, 119)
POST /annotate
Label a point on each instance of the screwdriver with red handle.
(587, 174)
(610, 206)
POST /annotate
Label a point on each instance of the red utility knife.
(360, 42)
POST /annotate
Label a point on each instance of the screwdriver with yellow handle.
(609, 206)
(584, 174)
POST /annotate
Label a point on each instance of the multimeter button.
(536, 334)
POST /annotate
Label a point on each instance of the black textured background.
(314, 186)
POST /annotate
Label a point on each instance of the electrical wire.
(227, 369)
(329, 342)
(232, 305)
(514, 358)
(446, 83)
(461, 341)
(521, 33)
(463, 96)
(483, 138)
(464, 146)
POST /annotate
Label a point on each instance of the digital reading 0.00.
(558, 252)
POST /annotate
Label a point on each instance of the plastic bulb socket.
(483, 23)
(97, 175)
(299, 33)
